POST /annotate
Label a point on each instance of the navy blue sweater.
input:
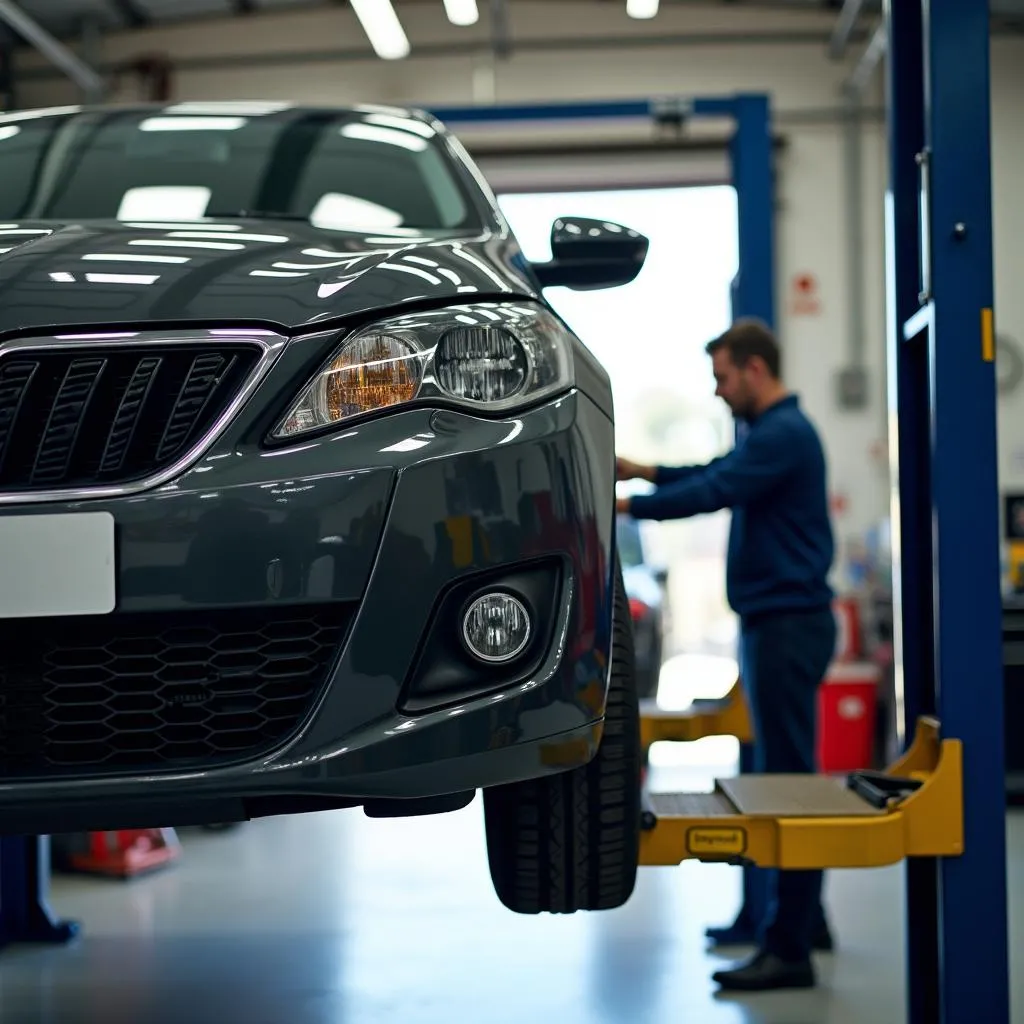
(775, 481)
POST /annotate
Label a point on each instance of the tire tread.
(570, 842)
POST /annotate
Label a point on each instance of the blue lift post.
(943, 406)
(25, 914)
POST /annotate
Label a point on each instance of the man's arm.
(660, 476)
(664, 476)
(749, 471)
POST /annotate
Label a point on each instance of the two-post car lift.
(940, 807)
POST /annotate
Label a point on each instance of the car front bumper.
(358, 532)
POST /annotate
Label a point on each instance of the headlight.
(490, 357)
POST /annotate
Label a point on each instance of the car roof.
(223, 107)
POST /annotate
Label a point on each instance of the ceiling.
(68, 17)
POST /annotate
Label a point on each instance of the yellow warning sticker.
(988, 336)
(716, 842)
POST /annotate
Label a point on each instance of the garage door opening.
(650, 335)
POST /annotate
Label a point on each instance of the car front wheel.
(570, 842)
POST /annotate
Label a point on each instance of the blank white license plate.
(57, 565)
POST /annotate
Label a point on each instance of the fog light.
(496, 627)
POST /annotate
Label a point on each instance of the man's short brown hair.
(749, 337)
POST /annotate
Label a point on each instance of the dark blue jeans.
(783, 659)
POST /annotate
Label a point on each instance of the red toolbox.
(846, 716)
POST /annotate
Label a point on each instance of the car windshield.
(343, 170)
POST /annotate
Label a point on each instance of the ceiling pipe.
(853, 207)
(845, 24)
(92, 85)
(877, 48)
(853, 89)
(501, 31)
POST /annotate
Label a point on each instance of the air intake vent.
(80, 418)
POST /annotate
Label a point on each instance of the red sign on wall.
(804, 298)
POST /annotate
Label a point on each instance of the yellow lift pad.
(726, 717)
(816, 821)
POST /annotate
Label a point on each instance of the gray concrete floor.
(333, 918)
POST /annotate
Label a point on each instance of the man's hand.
(627, 470)
(622, 506)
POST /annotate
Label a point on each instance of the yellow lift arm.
(913, 809)
(726, 717)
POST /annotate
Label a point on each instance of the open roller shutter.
(593, 167)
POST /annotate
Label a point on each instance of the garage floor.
(334, 917)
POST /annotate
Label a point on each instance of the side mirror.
(589, 254)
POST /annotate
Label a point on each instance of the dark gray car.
(306, 494)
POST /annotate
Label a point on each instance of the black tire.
(570, 842)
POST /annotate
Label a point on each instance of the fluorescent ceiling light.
(184, 202)
(220, 234)
(122, 278)
(389, 136)
(174, 243)
(462, 12)
(193, 124)
(641, 8)
(132, 257)
(229, 107)
(405, 124)
(174, 226)
(382, 28)
(338, 211)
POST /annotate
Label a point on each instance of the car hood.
(287, 274)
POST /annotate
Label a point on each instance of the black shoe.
(823, 941)
(765, 971)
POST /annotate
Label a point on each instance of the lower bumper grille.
(159, 690)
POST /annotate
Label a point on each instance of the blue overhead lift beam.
(942, 402)
(750, 150)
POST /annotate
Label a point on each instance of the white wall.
(1008, 170)
(799, 77)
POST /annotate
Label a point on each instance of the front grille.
(100, 417)
(160, 690)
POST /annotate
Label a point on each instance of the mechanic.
(779, 557)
